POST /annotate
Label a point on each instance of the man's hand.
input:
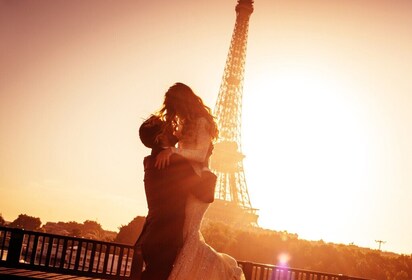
(163, 158)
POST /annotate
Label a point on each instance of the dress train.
(197, 260)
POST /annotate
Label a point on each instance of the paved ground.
(18, 273)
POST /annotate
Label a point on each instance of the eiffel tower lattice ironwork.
(232, 203)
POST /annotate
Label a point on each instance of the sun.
(305, 143)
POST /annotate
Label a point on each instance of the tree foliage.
(266, 246)
(129, 233)
(2, 220)
(24, 221)
(88, 229)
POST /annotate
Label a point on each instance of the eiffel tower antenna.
(232, 202)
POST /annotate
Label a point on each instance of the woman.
(191, 121)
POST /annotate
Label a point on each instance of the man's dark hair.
(149, 130)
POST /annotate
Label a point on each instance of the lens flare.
(283, 259)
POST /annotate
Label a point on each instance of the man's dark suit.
(166, 193)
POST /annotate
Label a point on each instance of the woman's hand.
(163, 158)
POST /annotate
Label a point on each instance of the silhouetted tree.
(92, 230)
(24, 221)
(128, 234)
(89, 229)
(218, 235)
(401, 275)
(265, 246)
(91, 226)
(76, 232)
(2, 221)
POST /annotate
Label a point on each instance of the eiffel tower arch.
(232, 202)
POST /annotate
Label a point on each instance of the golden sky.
(326, 117)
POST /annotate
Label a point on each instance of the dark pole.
(380, 243)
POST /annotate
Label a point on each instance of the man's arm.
(202, 187)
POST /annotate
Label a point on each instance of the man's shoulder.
(149, 158)
(149, 161)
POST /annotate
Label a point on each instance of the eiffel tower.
(232, 203)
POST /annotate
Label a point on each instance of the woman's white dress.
(196, 259)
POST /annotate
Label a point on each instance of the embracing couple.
(179, 188)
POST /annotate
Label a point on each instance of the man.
(166, 190)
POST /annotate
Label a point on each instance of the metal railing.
(107, 260)
(68, 255)
(257, 271)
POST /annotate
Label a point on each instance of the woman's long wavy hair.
(181, 104)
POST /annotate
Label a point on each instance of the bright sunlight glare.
(305, 142)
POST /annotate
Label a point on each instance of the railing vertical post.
(137, 264)
(15, 246)
(247, 268)
(47, 261)
(92, 256)
(78, 254)
(34, 249)
(63, 254)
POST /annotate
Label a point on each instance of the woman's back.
(197, 260)
(196, 145)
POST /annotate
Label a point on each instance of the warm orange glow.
(326, 111)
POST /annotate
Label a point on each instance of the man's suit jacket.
(166, 193)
